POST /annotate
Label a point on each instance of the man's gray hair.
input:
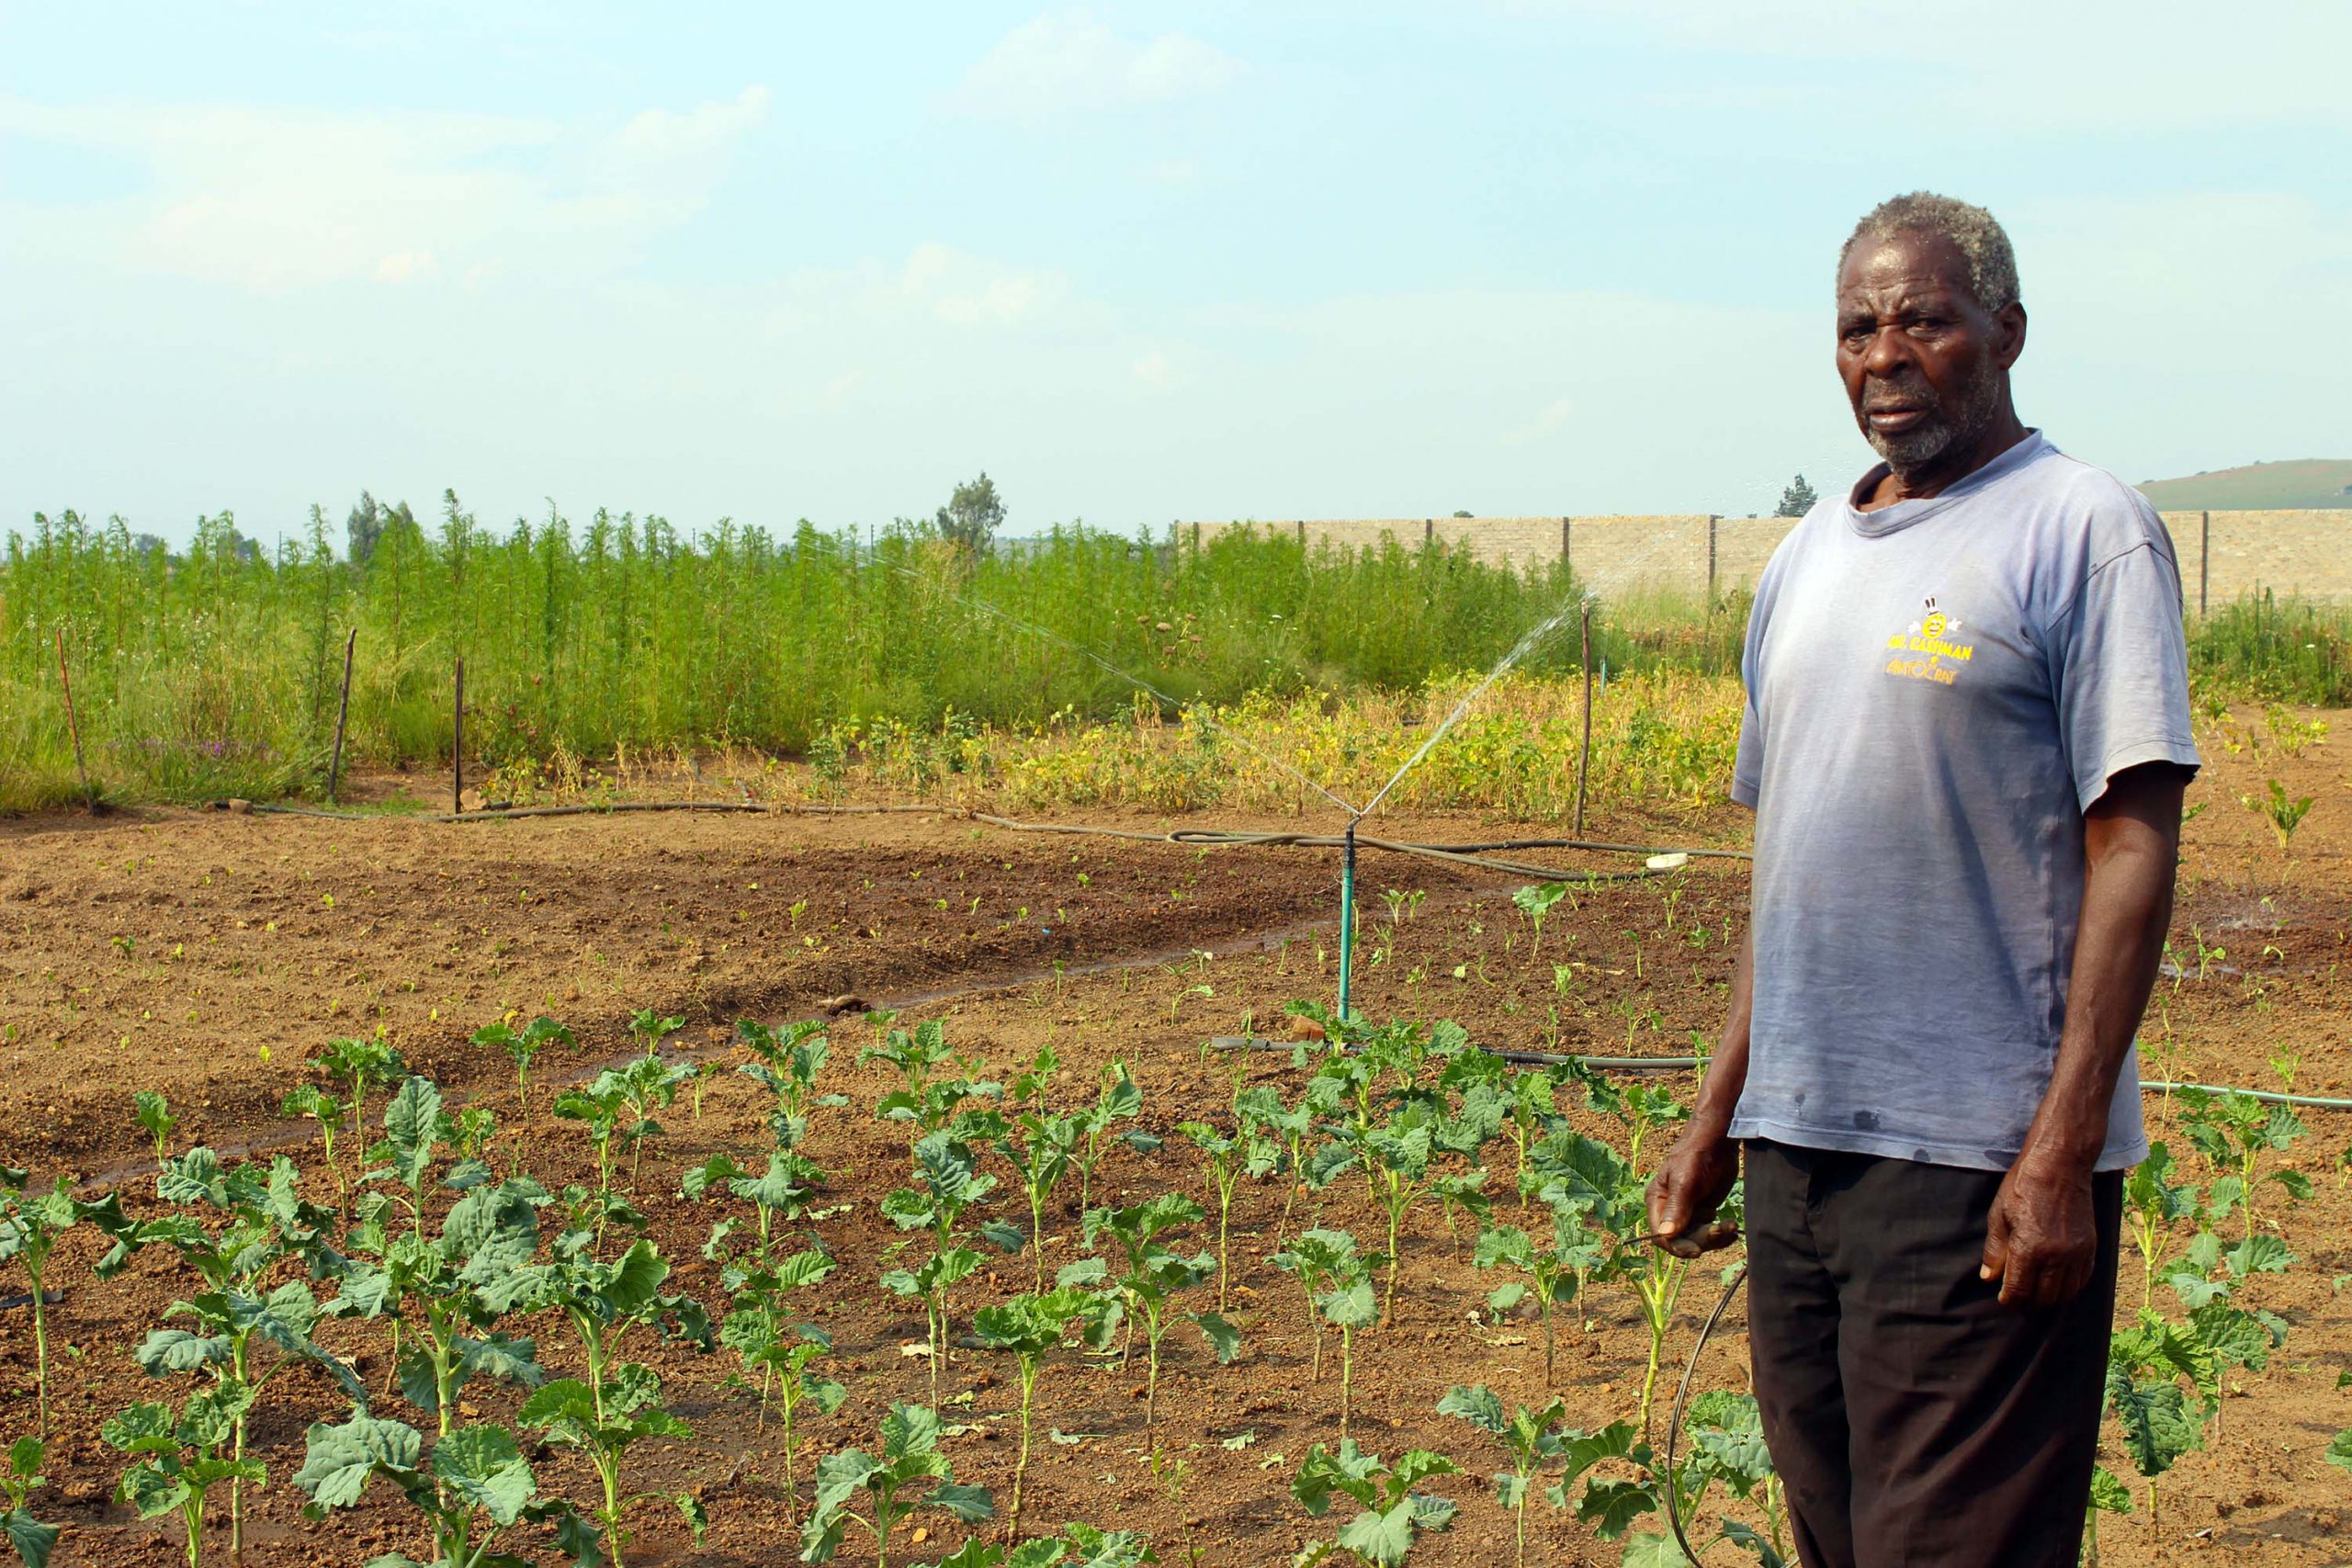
(1975, 232)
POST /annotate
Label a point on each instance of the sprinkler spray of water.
(1582, 605)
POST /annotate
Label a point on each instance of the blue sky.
(1139, 262)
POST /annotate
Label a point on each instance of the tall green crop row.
(216, 670)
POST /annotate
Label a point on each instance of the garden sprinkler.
(1347, 913)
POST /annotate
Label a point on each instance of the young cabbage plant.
(620, 1404)
(1726, 1432)
(1531, 1439)
(265, 1219)
(1323, 1261)
(608, 1301)
(787, 1063)
(1537, 901)
(241, 1341)
(178, 1457)
(1393, 1516)
(799, 1390)
(1154, 1277)
(1607, 1194)
(476, 1486)
(1552, 1274)
(602, 1108)
(1028, 1087)
(603, 1424)
(2152, 1204)
(1081, 1546)
(1032, 1327)
(30, 1224)
(950, 1183)
(153, 1114)
(444, 1293)
(909, 1474)
(31, 1539)
(651, 1028)
(1041, 1154)
(1225, 1160)
(1640, 1109)
(521, 1045)
(1528, 1098)
(359, 1066)
(1260, 1109)
(924, 1099)
(1120, 1098)
(761, 1330)
(2233, 1131)
(1397, 1155)
(646, 1085)
(773, 1195)
(313, 1103)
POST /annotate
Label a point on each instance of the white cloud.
(289, 198)
(1155, 369)
(1067, 61)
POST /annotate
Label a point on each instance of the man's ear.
(2011, 318)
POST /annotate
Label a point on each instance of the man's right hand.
(1690, 1184)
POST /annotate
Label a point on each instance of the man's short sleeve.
(1748, 765)
(2120, 658)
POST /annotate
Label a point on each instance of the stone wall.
(2223, 554)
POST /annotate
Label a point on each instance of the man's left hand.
(2041, 1239)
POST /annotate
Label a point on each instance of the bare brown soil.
(208, 955)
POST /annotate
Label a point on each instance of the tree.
(1798, 499)
(972, 515)
(362, 528)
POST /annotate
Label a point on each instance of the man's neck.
(1946, 469)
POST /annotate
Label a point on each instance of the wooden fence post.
(457, 744)
(2204, 557)
(335, 763)
(74, 724)
(1564, 545)
(1711, 521)
(1584, 749)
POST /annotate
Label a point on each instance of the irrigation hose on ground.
(1479, 854)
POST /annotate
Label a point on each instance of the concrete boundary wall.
(2224, 555)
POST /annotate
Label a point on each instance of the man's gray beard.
(1908, 451)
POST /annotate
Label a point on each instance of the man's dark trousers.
(1915, 1421)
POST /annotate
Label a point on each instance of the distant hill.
(2257, 487)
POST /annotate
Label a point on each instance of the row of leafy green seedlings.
(2168, 1372)
(1445, 1097)
(446, 1298)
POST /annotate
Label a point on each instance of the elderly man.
(1965, 742)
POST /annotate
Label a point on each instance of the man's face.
(1925, 365)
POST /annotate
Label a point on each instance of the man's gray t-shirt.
(1937, 691)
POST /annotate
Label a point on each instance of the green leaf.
(2158, 1426)
(1477, 1405)
(33, 1540)
(1583, 1451)
(412, 1121)
(340, 1459)
(482, 1466)
(1381, 1538)
(2109, 1495)
(1608, 1506)
(1646, 1549)
(169, 1350)
(1767, 1555)
(908, 1430)
(1353, 1306)
(970, 1504)
(1223, 1337)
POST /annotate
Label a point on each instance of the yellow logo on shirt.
(1925, 651)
